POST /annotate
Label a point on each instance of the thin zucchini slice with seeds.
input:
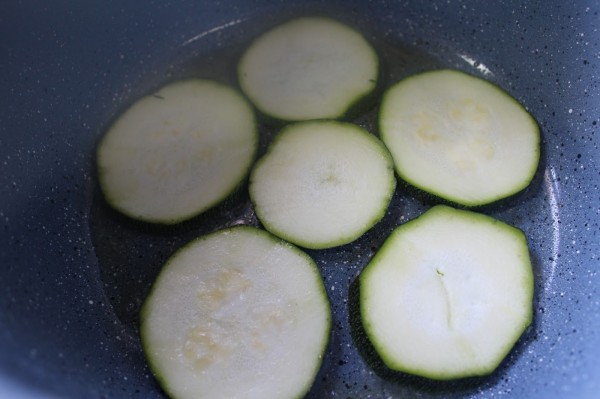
(448, 294)
(176, 153)
(308, 68)
(322, 183)
(459, 137)
(236, 314)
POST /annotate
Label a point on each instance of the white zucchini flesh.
(178, 152)
(448, 294)
(236, 314)
(459, 137)
(322, 183)
(308, 68)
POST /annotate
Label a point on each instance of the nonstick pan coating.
(74, 272)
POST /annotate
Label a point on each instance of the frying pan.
(73, 273)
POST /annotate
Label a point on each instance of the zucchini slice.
(177, 152)
(322, 183)
(236, 314)
(459, 137)
(448, 294)
(308, 68)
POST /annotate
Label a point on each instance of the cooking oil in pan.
(130, 254)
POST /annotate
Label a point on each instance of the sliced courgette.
(448, 294)
(177, 152)
(459, 137)
(308, 68)
(236, 314)
(322, 183)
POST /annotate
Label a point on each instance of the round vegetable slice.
(177, 152)
(448, 294)
(459, 137)
(308, 68)
(322, 183)
(236, 314)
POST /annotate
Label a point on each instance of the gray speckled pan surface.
(73, 273)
